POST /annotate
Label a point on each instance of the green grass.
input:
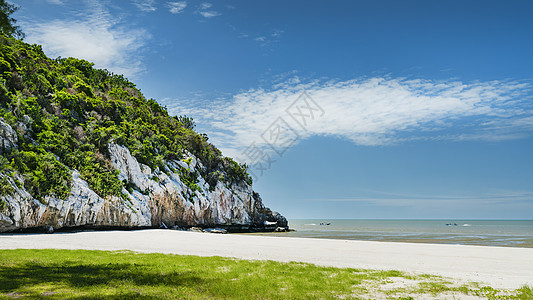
(79, 274)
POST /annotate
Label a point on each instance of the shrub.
(44, 175)
(5, 188)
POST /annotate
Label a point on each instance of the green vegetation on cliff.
(65, 113)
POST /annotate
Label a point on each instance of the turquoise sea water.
(465, 232)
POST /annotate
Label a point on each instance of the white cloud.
(56, 2)
(276, 33)
(145, 5)
(177, 7)
(269, 39)
(203, 10)
(209, 14)
(206, 5)
(374, 111)
(97, 38)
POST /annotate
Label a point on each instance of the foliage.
(7, 23)
(237, 171)
(190, 178)
(44, 175)
(67, 113)
(5, 189)
(60, 274)
(187, 122)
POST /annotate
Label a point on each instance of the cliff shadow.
(108, 280)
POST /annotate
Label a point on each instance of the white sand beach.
(499, 267)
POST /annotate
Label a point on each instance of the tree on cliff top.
(7, 23)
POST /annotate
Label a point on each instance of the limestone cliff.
(159, 198)
(82, 147)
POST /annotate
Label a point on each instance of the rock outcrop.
(156, 198)
(8, 137)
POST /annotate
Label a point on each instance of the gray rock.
(281, 229)
(6, 224)
(176, 227)
(281, 220)
(26, 120)
(215, 230)
(8, 137)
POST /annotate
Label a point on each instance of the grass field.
(79, 274)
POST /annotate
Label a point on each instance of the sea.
(506, 233)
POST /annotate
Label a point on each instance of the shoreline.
(507, 233)
(432, 241)
(500, 267)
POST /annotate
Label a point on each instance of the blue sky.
(380, 109)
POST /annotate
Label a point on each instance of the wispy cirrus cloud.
(204, 10)
(145, 5)
(391, 199)
(375, 111)
(209, 14)
(98, 37)
(206, 5)
(177, 7)
(268, 39)
(508, 204)
(56, 2)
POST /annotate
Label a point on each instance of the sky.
(342, 109)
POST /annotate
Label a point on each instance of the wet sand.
(499, 267)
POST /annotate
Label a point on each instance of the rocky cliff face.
(66, 132)
(154, 198)
(8, 137)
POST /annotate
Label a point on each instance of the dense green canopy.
(66, 113)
